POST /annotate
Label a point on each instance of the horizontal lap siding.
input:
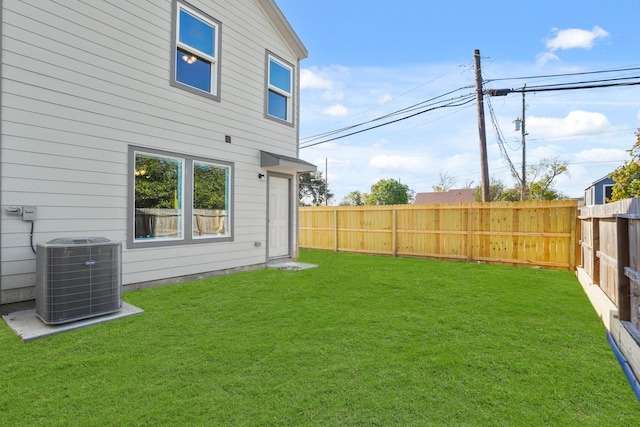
(82, 81)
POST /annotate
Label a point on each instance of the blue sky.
(370, 58)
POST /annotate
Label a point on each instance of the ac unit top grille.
(73, 241)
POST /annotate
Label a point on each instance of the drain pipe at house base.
(635, 386)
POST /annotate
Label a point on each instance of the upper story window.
(279, 102)
(196, 51)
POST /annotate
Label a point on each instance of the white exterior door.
(279, 217)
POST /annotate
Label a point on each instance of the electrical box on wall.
(28, 213)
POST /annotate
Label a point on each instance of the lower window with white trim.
(178, 199)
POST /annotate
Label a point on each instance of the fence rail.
(541, 234)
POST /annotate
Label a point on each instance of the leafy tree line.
(627, 176)
(540, 178)
(157, 184)
(313, 191)
(384, 192)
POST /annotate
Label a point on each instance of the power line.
(501, 142)
(587, 82)
(461, 101)
(564, 86)
(436, 102)
(385, 102)
(564, 75)
(426, 103)
(422, 123)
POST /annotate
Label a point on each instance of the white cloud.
(575, 38)
(312, 79)
(570, 38)
(576, 123)
(337, 110)
(603, 155)
(544, 57)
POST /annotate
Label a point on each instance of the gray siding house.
(598, 191)
(170, 126)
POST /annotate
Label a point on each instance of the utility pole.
(521, 126)
(486, 196)
(326, 181)
(524, 133)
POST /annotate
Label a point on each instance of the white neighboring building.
(170, 126)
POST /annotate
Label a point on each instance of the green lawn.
(358, 341)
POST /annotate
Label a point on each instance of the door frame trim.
(290, 178)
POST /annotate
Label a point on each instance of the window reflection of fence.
(167, 223)
(159, 223)
(209, 222)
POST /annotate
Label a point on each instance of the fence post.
(394, 230)
(623, 291)
(469, 233)
(595, 236)
(335, 230)
(574, 245)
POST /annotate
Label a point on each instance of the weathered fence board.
(532, 233)
(610, 245)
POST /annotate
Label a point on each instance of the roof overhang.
(284, 28)
(278, 162)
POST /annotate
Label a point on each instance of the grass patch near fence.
(360, 340)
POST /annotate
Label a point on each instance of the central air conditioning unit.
(77, 278)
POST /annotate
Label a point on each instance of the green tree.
(627, 176)
(209, 187)
(157, 182)
(390, 192)
(355, 198)
(498, 192)
(313, 190)
(542, 178)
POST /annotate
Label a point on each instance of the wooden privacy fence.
(611, 254)
(610, 271)
(532, 233)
